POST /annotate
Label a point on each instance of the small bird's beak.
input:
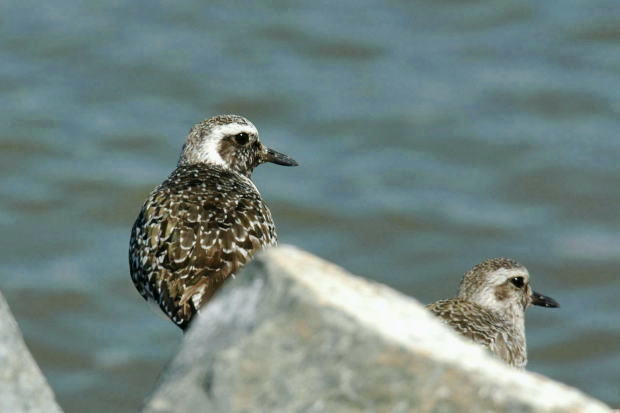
(543, 300)
(278, 158)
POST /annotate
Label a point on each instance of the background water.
(431, 134)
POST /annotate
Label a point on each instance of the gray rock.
(23, 389)
(294, 333)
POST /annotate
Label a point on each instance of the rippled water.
(431, 135)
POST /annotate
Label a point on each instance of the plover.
(204, 222)
(490, 308)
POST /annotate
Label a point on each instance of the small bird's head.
(230, 141)
(502, 284)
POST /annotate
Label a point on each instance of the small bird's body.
(204, 222)
(485, 327)
(490, 308)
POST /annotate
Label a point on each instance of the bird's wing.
(469, 319)
(191, 236)
(223, 242)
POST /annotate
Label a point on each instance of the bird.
(205, 221)
(490, 308)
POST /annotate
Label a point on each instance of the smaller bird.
(490, 308)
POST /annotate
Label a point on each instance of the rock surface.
(294, 333)
(23, 389)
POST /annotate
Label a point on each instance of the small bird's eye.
(517, 282)
(242, 138)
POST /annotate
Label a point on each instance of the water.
(431, 135)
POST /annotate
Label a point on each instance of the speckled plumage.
(490, 308)
(205, 221)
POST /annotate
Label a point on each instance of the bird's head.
(230, 141)
(503, 285)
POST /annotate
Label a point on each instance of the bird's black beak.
(543, 300)
(278, 158)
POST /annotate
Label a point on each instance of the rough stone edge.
(366, 301)
(10, 328)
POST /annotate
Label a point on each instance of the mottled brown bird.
(204, 222)
(490, 308)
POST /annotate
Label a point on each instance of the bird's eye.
(242, 138)
(517, 282)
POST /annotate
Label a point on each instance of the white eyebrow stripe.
(500, 276)
(208, 151)
(221, 131)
